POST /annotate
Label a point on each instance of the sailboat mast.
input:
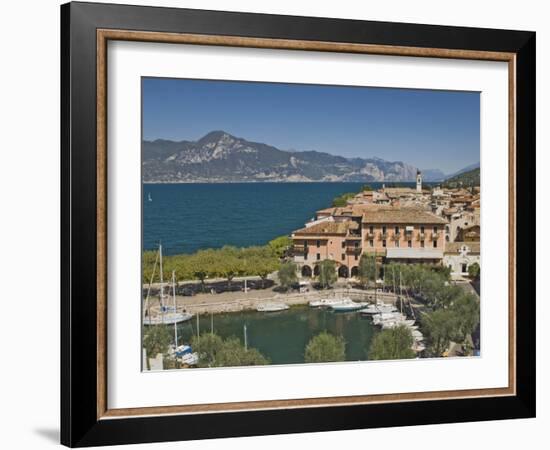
(375, 289)
(161, 289)
(175, 310)
(400, 292)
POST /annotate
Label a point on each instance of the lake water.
(189, 217)
(283, 336)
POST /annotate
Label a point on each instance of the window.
(371, 229)
(305, 255)
(435, 244)
(435, 229)
(356, 244)
(396, 230)
(422, 229)
(356, 257)
(343, 244)
(384, 243)
(384, 229)
(397, 243)
(464, 268)
(318, 243)
(343, 256)
(371, 243)
(409, 244)
(422, 244)
(318, 256)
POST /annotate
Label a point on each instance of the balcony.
(435, 236)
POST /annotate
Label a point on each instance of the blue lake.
(189, 217)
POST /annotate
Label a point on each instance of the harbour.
(282, 336)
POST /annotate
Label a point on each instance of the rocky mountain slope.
(221, 157)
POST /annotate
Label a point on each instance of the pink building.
(391, 233)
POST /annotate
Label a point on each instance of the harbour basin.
(282, 336)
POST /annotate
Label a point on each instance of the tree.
(262, 267)
(393, 343)
(438, 328)
(367, 269)
(366, 187)
(228, 264)
(203, 263)
(327, 273)
(214, 351)
(287, 275)
(474, 271)
(156, 339)
(466, 317)
(325, 348)
(280, 245)
(342, 200)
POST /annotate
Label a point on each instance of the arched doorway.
(354, 271)
(306, 271)
(316, 270)
(343, 271)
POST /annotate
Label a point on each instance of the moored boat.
(272, 307)
(377, 309)
(347, 305)
(324, 302)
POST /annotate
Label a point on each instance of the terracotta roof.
(454, 247)
(327, 228)
(401, 215)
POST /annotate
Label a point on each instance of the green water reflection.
(283, 336)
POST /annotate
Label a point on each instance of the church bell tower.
(418, 182)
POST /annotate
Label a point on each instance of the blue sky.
(428, 129)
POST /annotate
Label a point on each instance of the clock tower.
(418, 182)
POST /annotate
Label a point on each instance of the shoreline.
(239, 301)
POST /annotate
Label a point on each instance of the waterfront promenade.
(241, 301)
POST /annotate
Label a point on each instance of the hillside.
(221, 157)
(465, 179)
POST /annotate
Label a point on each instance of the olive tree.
(393, 343)
(325, 348)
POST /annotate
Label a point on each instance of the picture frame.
(86, 418)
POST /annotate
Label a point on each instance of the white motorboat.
(190, 359)
(272, 307)
(347, 305)
(380, 318)
(377, 309)
(417, 335)
(396, 323)
(169, 318)
(324, 302)
(418, 347)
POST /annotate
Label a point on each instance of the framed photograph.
(274, 224)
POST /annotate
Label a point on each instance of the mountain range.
(220, 157)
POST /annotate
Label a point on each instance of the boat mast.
(161, 289)
(245, 338)
(400, 291)
(147, 306)
(375, 289)
(175, 310)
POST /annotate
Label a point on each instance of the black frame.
(79, 423)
